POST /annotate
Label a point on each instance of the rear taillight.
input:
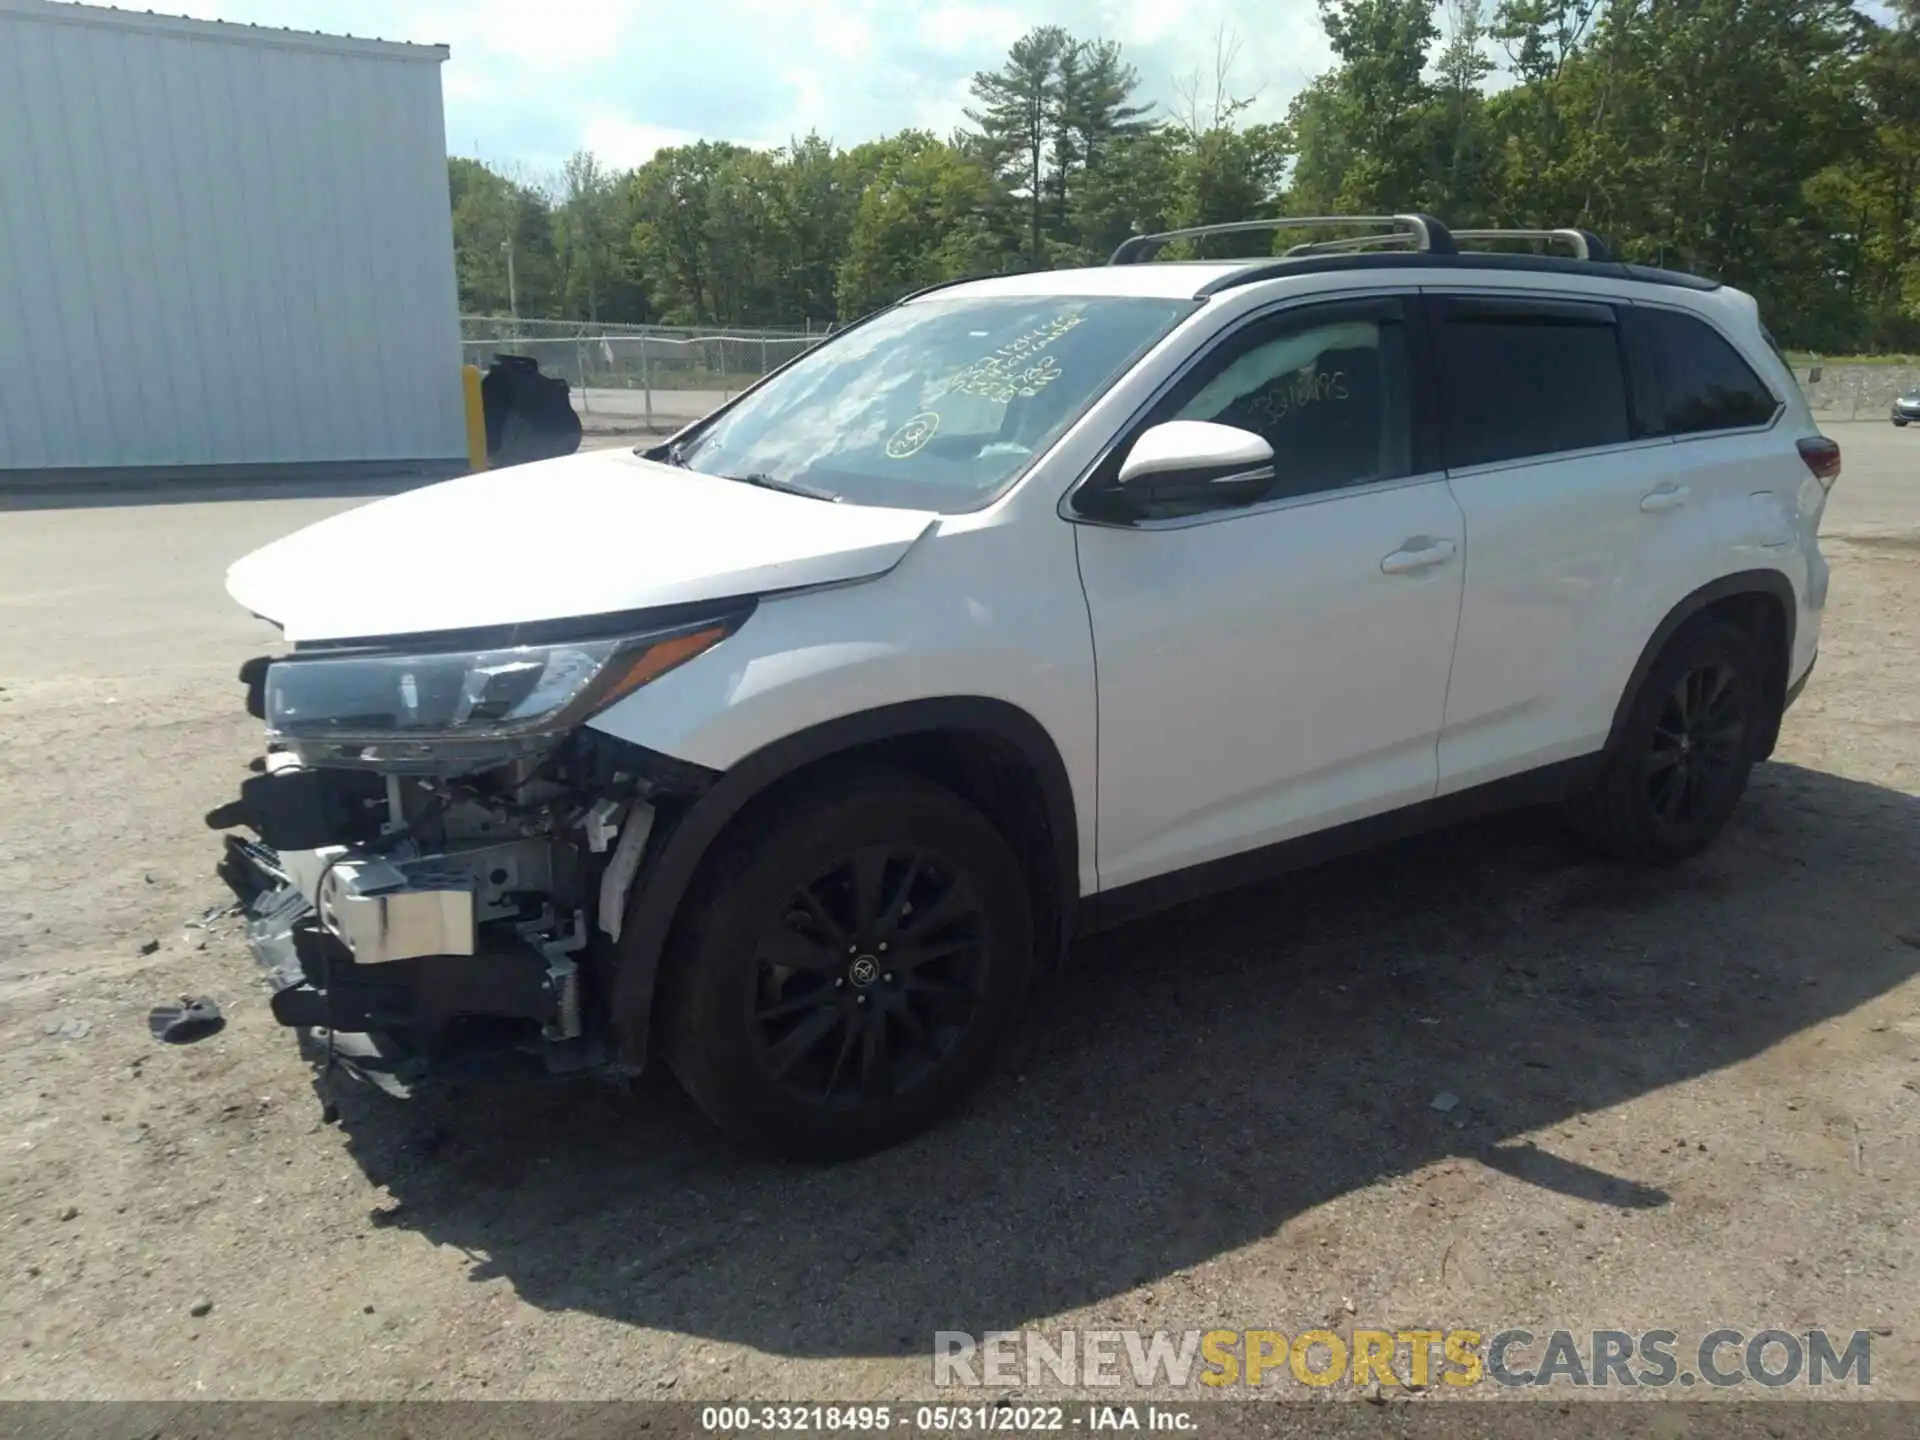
(1823, 459)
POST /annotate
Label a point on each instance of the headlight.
(480, 706)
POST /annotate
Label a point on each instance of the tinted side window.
(1326, 387)
(1700, 383)
(1522, 377)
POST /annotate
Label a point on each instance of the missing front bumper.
(515, 1002)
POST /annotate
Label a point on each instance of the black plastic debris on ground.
(194, 1018)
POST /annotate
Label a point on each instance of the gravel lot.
(1685, 1101)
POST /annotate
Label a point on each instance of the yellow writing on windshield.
(1017, 367)
(912, 437)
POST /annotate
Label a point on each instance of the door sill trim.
(1126, 903)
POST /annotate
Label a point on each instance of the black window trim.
(1419, 380)
(1779, 404)
(1434, 299)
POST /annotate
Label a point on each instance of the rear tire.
(1676, 772)
(1899, 424)
(847, 966)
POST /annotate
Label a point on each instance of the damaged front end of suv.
(442, 849)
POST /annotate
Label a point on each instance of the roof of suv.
(1197, 279)
(1171, 280)
(1418, 242)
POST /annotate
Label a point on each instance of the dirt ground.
(1686, 1100)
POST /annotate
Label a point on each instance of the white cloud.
(1154, 19)
(527, 84)
(552, 36)
(957, 27)
(623, 144)
(847, 37)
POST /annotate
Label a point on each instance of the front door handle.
(1406, 561)
(1667, 497)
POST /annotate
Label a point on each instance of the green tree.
(1541, 35)
(1134, 189)
(1230, 173)
(672, 237)
(1772, 143)
(1874, 193)
(1376, 96)
(748, 247)
(491, 215)
(926, 215)
(1690, 134)
(818, 192)
(1097, 119)
(1460, 139)
(590, 252)
(1019, 115)
(625, 297)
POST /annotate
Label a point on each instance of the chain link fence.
(1855, 392)
(637, 377)
(660, 377)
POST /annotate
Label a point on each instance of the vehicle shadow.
(106, 490)
(1196, 1081)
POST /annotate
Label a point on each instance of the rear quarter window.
(1692, 379)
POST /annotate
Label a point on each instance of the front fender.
(675, 858)
(983, 630)
(995, 613)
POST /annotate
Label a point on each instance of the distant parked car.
(1907, 407)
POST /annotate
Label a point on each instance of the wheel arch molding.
(1721, 595)
(654, 903)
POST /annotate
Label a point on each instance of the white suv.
(791, 748)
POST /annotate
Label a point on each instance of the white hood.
(590, 534)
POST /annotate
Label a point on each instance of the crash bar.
(1422, 232)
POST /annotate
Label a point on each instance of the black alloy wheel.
(1698, 742)
(1676, 769)
(868, 981)
(848, 965)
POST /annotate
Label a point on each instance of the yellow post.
(476, 418)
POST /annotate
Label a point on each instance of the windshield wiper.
(676, 454)
(785, 487)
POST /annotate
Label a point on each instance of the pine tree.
(1018, 109)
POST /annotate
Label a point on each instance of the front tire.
(847, 966)
(1899, 423)
(1680, 764)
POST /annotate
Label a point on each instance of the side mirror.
(1195, 462)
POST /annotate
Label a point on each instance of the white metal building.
(223, 249)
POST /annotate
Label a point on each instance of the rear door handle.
(1667, 497)
(1405, 562)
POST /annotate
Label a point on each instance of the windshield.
(936, 405)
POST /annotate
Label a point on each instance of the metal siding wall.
(218, 253)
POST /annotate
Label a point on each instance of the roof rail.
(1353, 244)
(1286, 267)
(1417, 232)
(1584, 244)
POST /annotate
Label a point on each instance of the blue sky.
(531, 80)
